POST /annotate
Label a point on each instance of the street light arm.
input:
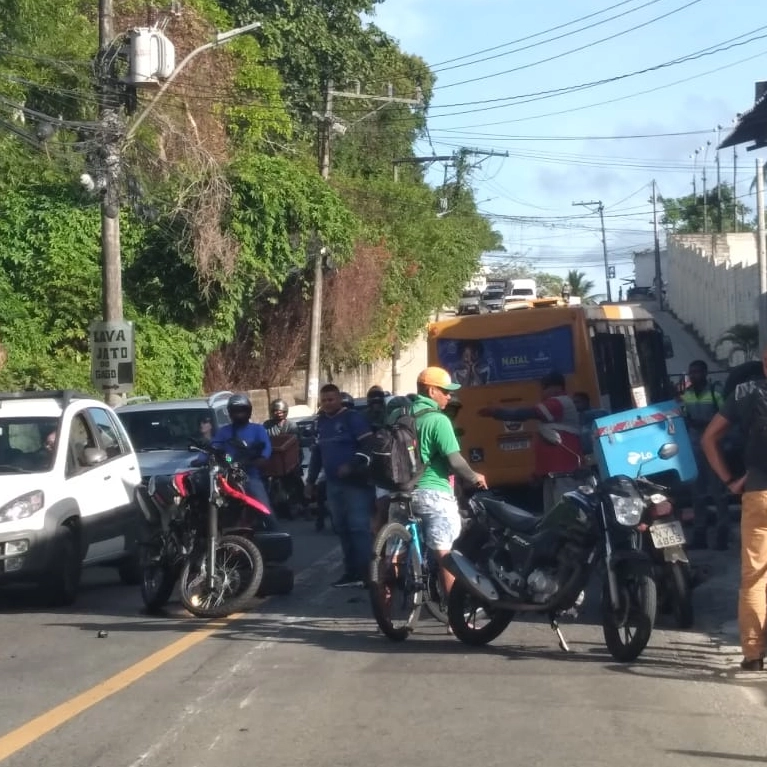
(221, 38)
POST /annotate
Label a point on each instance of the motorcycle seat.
(509, 515)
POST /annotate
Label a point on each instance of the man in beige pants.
(747, 407)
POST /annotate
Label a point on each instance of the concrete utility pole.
(313, 376)
(720, 226)
(761, 257)
(601, 211)
(326, 122)
(658, 273)
(735, 188)
(111, 129)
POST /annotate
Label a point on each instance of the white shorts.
(441, 518)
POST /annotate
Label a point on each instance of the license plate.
(667, 534)
(514, 444)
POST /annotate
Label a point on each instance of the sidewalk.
(686, 346)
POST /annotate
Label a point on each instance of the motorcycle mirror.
(667, 451)
(552, 436)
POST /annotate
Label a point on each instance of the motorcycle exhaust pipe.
(476, 582)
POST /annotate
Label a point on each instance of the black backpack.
(395, 460)
(755, 453)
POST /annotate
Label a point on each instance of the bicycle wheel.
(395, 588)
(435, 600)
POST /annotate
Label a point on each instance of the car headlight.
(22, 507)
(628, 510)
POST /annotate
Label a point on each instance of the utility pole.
(325, 128)
(735, 188)
(720, 217)
(761, 257)
(326, 122)
(658, 273)
(601, 211)
(111, 129)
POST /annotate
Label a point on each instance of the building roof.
(752, 126)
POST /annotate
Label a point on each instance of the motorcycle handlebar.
(575, 474)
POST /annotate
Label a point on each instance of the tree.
(685, 215)
(581, 287)
(743, 339)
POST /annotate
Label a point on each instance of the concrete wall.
(713, 283)
(356, 382)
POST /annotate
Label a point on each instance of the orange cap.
(439, 377)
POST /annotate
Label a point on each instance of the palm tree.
(743, 338)
(581, 286)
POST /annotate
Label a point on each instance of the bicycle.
(401, 561)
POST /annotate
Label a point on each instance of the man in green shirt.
(433, 498)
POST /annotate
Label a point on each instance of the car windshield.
(493, 295)
(167, 429)
(27, 444)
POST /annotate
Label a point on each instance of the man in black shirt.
(747, 408)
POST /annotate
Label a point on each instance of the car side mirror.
(93, 456)
(668, 451)
(552, 436)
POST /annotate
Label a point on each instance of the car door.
(115, 529)
(87, 484)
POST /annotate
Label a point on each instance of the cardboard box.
(625, 442)
(285, 457)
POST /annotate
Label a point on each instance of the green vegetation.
(223, 207)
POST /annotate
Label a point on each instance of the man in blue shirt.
(342, 450)
(254, 435)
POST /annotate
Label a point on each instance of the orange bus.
(613, 353)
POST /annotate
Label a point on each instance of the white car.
(68, 475)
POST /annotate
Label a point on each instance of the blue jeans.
(254, 487)
(706, 486)
(351, 508)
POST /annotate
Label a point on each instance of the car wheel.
(61, 584)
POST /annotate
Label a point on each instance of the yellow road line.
(41, 725)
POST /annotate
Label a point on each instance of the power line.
(525, 98)
(584, 47)
(529, 37)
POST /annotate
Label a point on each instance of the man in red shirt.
(557, 410)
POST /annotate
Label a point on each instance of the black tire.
(61, 583)
(382, 577)
(435, 601)
(461, 605)
(225, 600)
(638, 605)
(158, 578)
(130, 570)
(679, 585)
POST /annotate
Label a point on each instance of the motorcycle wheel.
(464, 613)
(394, 575)
(627, 630)
(239, 570)
(158, 577)
(678, 583)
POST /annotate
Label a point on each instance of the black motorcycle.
(662, 537)
(218, 574)
(511, 561)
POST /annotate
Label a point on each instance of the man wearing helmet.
(258, 449)
(343, 437)
(278, 423)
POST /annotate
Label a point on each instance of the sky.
(497, 63)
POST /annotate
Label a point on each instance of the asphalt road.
(307, 680)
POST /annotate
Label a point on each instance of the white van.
(522, 290)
